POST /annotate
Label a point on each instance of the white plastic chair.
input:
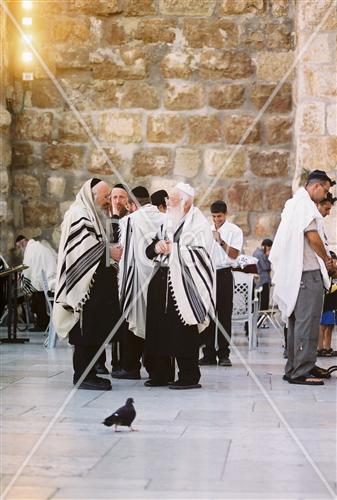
(50, 341)
(245, 306)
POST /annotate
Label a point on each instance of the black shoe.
(180, 385)
(101, 369)
(224, 362)
(95, 384)
(155, 383)
(123, 374)
(319, 372)
(286, 378)
(206, 361)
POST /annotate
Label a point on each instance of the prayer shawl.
(82, 245)
(135, 269)
(286, 255)
(191, 273)
(39, 257)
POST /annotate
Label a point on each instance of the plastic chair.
(245, 305)
(50, 341)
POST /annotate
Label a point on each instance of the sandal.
(319, 372)
(306, 381)
(328, 353)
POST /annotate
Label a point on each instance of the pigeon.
(123, 416)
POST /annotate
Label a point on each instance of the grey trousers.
(303, 326)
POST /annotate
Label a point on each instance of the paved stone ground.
(223, 441)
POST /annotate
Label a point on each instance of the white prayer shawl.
(135, 269)
(286, 255)
(39, 257)
(191, 272)
(83, 241)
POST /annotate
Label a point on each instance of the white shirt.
(232, 235)
(38, 256)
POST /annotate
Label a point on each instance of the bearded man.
(181, 292)
(86, 296)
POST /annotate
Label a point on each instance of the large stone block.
(311, 14)
(206, 195)
(311, 118)
(33, 125)
(71, 57)
(176, 65)
(187, 162)
(64, 156)
(245, 196)
(116, 34)
(277, 194)
(217, 33)
(22, 155)
(204, 129)
(143, 8)
(119, 127)
(139, 95)
(152, 161)
(40, 213)
(97, 7)
(183, 96)
(321, 83)
(279, 35)
(321, 48)
(70, 29)
(93, 94)
(253, 32)
(241, 220)
(280, 103)
(238, 7)
(165, 128)
(71, 130)
(279, 8)
(318, 153)
(198, 8)
(278, 129)
(237, 126)
(218, 64)
(331, 119)
(226, 96)
(56, 186)
(4, 182)
(5, 118)
(5, 152)
(269, 164)
(104, 161)
(46, 95)
(156, 31)
(266, 226)
(26, 186)
(224, 163)
(273, 66)
(125, 63)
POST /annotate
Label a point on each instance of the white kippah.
(185, 188)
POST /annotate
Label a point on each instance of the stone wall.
(316, 94)
(6, 219)
(168, 88)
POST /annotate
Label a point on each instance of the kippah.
(94, 182)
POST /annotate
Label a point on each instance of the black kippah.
(94, 181)
(140, 192)
(120, 186)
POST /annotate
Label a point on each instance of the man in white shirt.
(38, 257)
(227, 246)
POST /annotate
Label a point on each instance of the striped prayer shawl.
(135, 268)
(191, 272)
(82, 245)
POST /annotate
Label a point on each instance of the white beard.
(174, 215)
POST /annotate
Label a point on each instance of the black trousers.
(163, 369)
(224, 308)
(265, 297)
(82, 356)
(38, 306)
(132, 348)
